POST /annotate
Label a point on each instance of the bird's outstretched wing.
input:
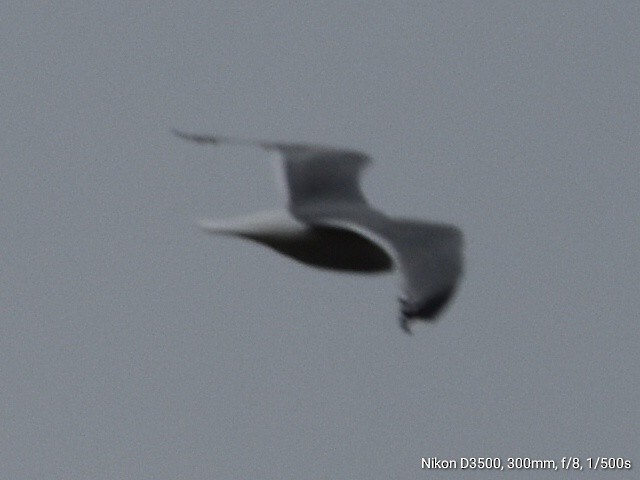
(429, 258)
(312, 174)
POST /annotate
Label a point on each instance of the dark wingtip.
(194, 137)
(427, 312)
(178, 133)
(405, 318)
(404, 324)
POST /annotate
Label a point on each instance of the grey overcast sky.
(134, 346)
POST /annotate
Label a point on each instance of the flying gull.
(328, 224)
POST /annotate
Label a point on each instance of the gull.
(328, 224)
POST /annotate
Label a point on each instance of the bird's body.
(328, 224)
(310, 245)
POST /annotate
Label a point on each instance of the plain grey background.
(134, 346)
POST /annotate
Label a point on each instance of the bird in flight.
(328, 224)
